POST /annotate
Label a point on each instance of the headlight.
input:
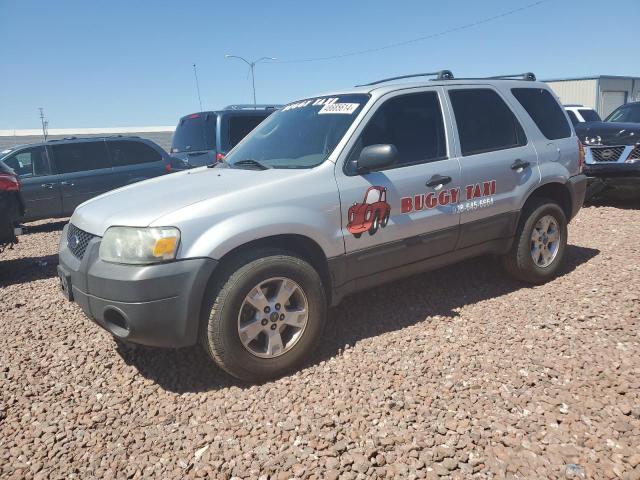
(139, 246)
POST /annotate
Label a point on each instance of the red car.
(11, 206)
(372, 213)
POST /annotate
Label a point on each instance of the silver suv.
(329, 195)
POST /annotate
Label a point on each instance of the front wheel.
(540, 243)
(266, 315)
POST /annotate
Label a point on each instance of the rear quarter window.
(545, 111)
(241, 125)
(128, 152)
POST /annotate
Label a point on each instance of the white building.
(603, 93)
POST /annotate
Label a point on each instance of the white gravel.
(456, 373)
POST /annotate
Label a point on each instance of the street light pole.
(252, 66)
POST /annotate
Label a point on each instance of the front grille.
(607, 154)
(77, 240)
(635, 154)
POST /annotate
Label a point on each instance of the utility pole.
(45, 124)
(195, 74)
(252, 66)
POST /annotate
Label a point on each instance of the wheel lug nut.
(273, 326)
(277, 306)
(282, 316)
(267, 309)
(264, 322)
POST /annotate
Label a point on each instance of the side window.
(544, 110)
(240, 126)
(573, 117)
(127, 152)
(413, 123)
(78, 157)
(485, 122)
(29, 163)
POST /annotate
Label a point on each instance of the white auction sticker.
(346, 108)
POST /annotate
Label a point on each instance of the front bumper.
(616, 173)
(157, 305)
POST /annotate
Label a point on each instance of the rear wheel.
(266, 315)
(540, 242)
(385, 220)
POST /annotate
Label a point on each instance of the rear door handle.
(70, 184)
(438, 180)
(519, 165)
(47, 185)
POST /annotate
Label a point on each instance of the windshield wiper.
(250, 162)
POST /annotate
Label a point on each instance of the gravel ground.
(459, 372)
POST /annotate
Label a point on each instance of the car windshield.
(590, 115)
(196, 132)
(301, 135)
(626, 113)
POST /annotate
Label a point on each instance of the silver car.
(330, 195)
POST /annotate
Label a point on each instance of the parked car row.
(50, 179)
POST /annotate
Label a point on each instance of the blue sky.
(128, 63)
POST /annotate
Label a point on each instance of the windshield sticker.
(345, 108)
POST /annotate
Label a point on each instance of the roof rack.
(528, 76)
(251, 106)
(440, 75)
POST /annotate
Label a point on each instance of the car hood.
(610, 133)
(141, 203)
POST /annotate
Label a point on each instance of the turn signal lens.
(165, 246)
(580, 156)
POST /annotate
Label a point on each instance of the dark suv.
(59, 175)
(205, 137)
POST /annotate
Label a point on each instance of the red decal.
(443, 197)
(430, 200)
(417, 202)
(406, 205)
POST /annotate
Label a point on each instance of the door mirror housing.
(376, 157)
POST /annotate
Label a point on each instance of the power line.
(418, 39)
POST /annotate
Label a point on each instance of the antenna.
(45, 124)
(195, 74)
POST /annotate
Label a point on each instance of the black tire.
(219, 331)
(518, 262)
(375, 224)
(385, 220)
(357, 235)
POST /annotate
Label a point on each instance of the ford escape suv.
(329, 195)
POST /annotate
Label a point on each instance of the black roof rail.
(528, 76)
(251, 106)
(440, 75)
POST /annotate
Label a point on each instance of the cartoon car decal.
(371, 214)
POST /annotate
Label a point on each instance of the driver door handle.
(519, 165)
(47, 185)
(438, 180)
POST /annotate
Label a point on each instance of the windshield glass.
(301, 135)
(589, 115)
(194, 133)
(626, 113)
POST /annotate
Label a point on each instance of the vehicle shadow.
(364, 315)
(623, 199)
(22, 270)
(44, 227)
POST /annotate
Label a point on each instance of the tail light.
(219, 157)
(167, 167)
(580, 156)
(9, 183)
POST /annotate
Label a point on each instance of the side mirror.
(375, 157)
